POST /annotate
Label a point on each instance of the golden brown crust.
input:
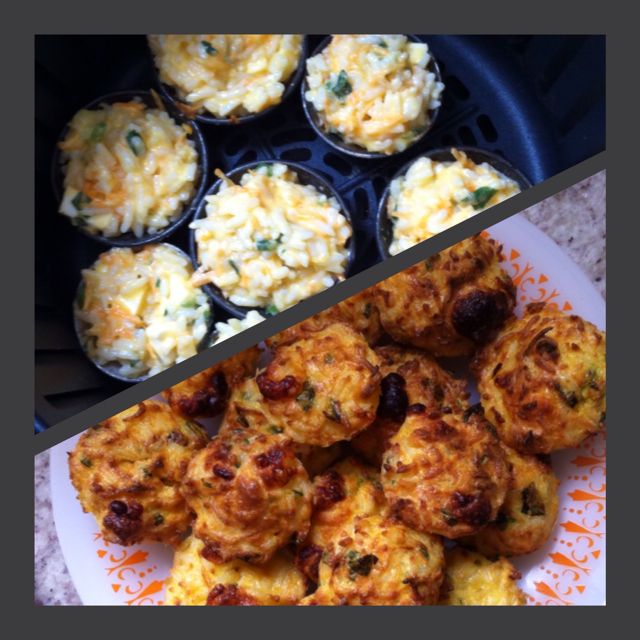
(471, 580)
(346, 491)
(443, 475)
(323, 388)
(205, 394)
(527, 517)
(423, 382)
(542, 380)
(449, 303)
(247, 410)
(358, 311)
(194, 580)
(376, 560)
(127, 471)
(251, 496)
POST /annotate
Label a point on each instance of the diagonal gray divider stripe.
(340, 291)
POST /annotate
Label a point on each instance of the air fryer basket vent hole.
(299, 154)
(486, 128)
(467, 136)
(286, 138)
(341, 165)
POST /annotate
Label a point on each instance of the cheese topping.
(227, 74)
(270, 241)
(141, 310)
(128, 168)
(374, 91)
(433, 196)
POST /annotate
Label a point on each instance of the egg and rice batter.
(227, 75)
(140, 310)
(127, 168)
(270, 241)
(433, 196)
(375, 91)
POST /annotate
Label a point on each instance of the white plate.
(570, 569)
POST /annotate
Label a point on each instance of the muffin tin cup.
(129, 239)
(355, 150)
(306, 177)
(170, 94)
(112, 369)
(384, 225)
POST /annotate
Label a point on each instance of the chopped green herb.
(503, 520)
(208, 48)
(340, 87)
(97, 133)
(80, 200)
(145, 472)
(268, 245)
(382, 43)
(134, 363)
(135, 142)
(207, 316)
(424, 551)
(275, 429)
(334, 412)
(430, 262)
(158, 519)
(86, 462)
(267, 166)
(234, 266)
(569, 397)
(306, 397)
(271, 310)
(80, 296)
(328, 358)
(367, 310)
(242, 419)
(532, 503)
(191, 303)
(479, 198)
(166, 312)
(360, 565)
(207, 484)
(300, 494)
(449, 518)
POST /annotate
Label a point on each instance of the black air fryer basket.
(538, 101)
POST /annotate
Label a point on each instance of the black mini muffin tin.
(384, 227)
(349, 148)
(204, 117)
(306, 177)
(129, 239)
(537, 101)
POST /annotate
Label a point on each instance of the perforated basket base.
(499, 95)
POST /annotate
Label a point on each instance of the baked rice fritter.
(323, 388)
(195, 580)
(205, 395)
(445, 474)
(542, 380)
(471, 579)
(410, 377)
(359, 311)
(247, 410)
(451, 302)
(376, 560)
(250, 494)
(527, 517)
(127, 472)
(346, 491)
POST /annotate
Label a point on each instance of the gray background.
(574, 218)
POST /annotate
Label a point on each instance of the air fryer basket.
(536, 100)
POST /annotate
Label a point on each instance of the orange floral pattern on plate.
(562, 574)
